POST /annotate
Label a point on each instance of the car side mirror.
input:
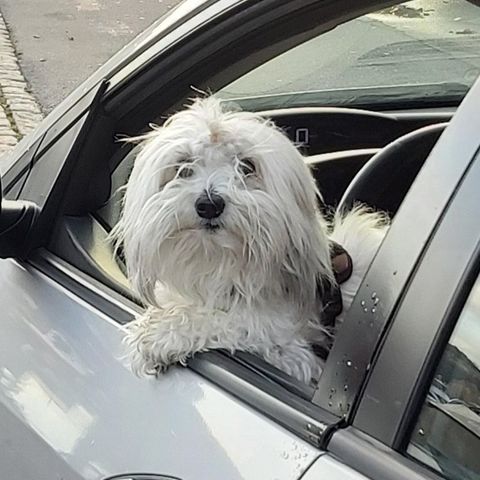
(16, 220)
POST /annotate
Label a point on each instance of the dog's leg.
(162, 337)
(159, 339)
(296, 359)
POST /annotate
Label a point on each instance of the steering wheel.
(385, 179)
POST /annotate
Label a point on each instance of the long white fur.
(251, 284)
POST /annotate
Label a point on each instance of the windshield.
(422, 51)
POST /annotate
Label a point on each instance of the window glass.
(447, 434)
(412, 52)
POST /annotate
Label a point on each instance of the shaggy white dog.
(224, 241)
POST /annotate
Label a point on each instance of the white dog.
(223, 239)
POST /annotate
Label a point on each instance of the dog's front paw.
(295, 359)
(151, 349)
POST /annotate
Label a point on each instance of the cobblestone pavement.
(19, 112)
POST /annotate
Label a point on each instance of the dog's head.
(221, 203)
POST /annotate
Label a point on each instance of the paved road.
(61, 42)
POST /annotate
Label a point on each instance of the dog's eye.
(247, 166)
(184, 171)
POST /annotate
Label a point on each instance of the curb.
(19, 111)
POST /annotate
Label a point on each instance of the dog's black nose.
(210, 206)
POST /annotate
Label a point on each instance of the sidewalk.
(19, 112)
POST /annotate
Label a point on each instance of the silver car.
(381, 97)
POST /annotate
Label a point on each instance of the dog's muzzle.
(210, 206)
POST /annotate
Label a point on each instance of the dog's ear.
(144, 182)
(289, 181)
(288, 176)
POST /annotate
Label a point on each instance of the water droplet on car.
(345, 388)
(376, 301)
(421, 431)
(349, 363)
(333, 390)
(330, 404)
(362, 303)
(374, 310)
(365, 309)
(374, 294)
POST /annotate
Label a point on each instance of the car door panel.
(327, 467)
(70, 405)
